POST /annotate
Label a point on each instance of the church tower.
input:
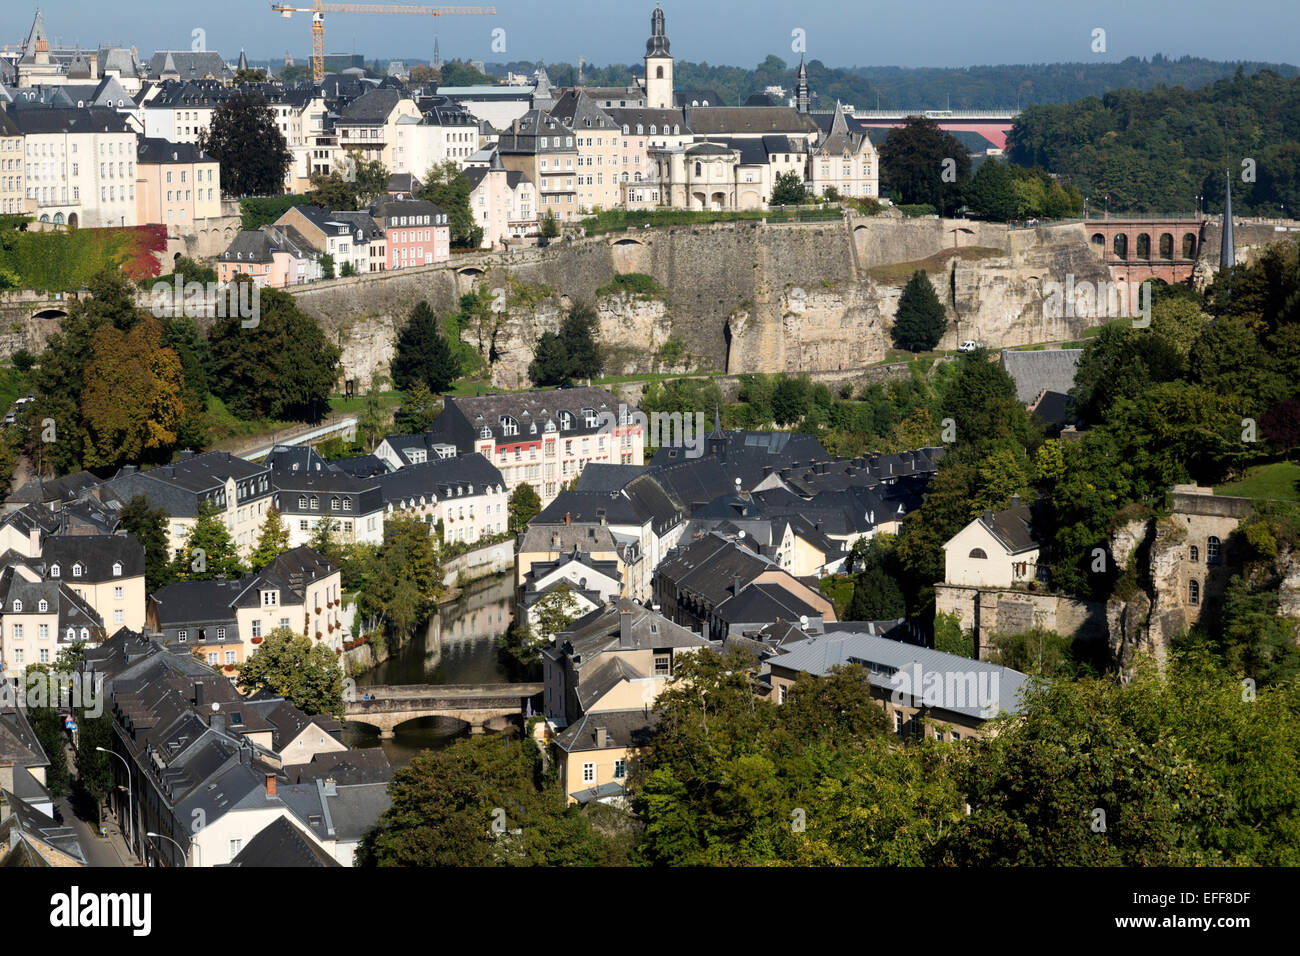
(801, 88)
(658, 65)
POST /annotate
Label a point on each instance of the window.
(1213, 550)
(257, 628)
(18, 632)
(588, 773)
(782, 694)
(620, 769)
(221, 633)
(663, 665)
(54, 570)
(898, 722)
(1194, 592)
(270, 598)
(119, 617)
(18, 606)
(117, 569)
(235, 847)
(230, 657)
(212, 657)
(117, 593)
(76, 570)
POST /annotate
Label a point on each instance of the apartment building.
(465, 495)
(416, 232)
(79, 166)
(13, 194)
(600, 148)
(544, 150)
(177, 185)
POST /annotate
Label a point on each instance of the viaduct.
(385, 707)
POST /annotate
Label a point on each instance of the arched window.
(1193, 592)
(978, 553)
(1196, 554)
(85, 634)
(1143, 246)
(72, 634)
(1189, 245)
(699, 170)
(76, 570)
(659, 73)
(1213, 550)
(1121, 246)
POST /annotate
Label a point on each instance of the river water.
(458, 646)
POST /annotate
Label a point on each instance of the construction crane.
(318, 9)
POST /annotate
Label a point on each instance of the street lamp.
(163, 836)
(130, 797)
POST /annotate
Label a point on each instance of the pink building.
(417, 232)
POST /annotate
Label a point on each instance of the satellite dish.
(803, 621)
(740, 535)
(215, 707)
(737, 484)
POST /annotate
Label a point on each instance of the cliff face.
(741, 297)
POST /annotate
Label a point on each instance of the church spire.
(1227, 250)
(801, 88)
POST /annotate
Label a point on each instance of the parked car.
(969, 345)
(10, 418)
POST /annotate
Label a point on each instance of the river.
(457, 646)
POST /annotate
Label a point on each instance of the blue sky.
(737, 32)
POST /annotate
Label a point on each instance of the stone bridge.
(1156, 247)
(385, 707)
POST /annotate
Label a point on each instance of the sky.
(843, 33)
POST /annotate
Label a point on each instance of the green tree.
(553, 612)
(327, 266)
(294, 667)
(478, 803)
(273, 541)
(991, 192)
(282, 370)
(245, 139)
(922, 164)
(524, 505)
(47, 724)
(550, 227)
(788, 190)
(209, 552)
(418, 412)
(423, 354)
(94, 768)
(446, 186)
(570, 354)
(950, 638)
(149, 527)
(921, 320)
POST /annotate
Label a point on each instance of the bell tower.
(658, 65)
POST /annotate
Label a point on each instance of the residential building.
(844, 160)
(105, 570)
(13, 192)
(190, 65)
(997, 550)
(923, 691)
(273, 256)
(177, 185)
(542, 438)
(369, 125)
(79, 166)
(240, 491)
(600, 150)
(464, 496)
(223, 621)
(544, 150)
(416, 232)
(308, 491)
(39, 619)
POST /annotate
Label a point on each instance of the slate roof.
(281, 843)
(45, 490)
(19, 744)
(623, 728)
(160, 151)
(463, 419)
(38, 826)
(710, 566)
(818, 655)
(96, 553)
(188, 63)
(59, 120)
(364, 466)
(73, 612)
(602, 630)
(462, 475)
(1013, 527)
(733, 120)
(541, 537)
(697, 98)
(600, 476)
(365, 765)
(1039, 369)
(761, 603)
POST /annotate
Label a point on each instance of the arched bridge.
(1148, 247)
(386, 706)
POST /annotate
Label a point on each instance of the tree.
(924, 165)
(332, 191)
(446, 186)
(921, 320)
(550, 227)
(403, 578)
(418, 412)
(47, 724)
(423, 354)
(323, 540)
(209, 552)
(94, 767)
(273, 541)
(298, 669)
(247, 142)
(283, 369)
(571, 353)
(422, 76)
(327, 266)
(478, 803)
(788, 190)
(790, 400)
(131, 401)
(523, 506)
(991, 192)
(249, 76)
(876, 597)
(149, 527)
(950, 638)
(553, 612)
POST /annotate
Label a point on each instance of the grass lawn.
(389, 399)
(1274, 481)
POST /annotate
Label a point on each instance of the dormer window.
(18, 606)
(72, 634)
(590, 417)
(85, 634)
(117, 569)
(270, 599)
(54, 570)
(43, 606)
(76, 570)
(509, 426)
(485, 433)
(566, 421)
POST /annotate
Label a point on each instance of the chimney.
(988, 515)
(735, 584)
(555, 540)
(602, 737)
(331, 787)
(217, 722)
(34, 542)
(1015, 501)
(568, 518)
(624, 627)
(270, 785)
(186, 454)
